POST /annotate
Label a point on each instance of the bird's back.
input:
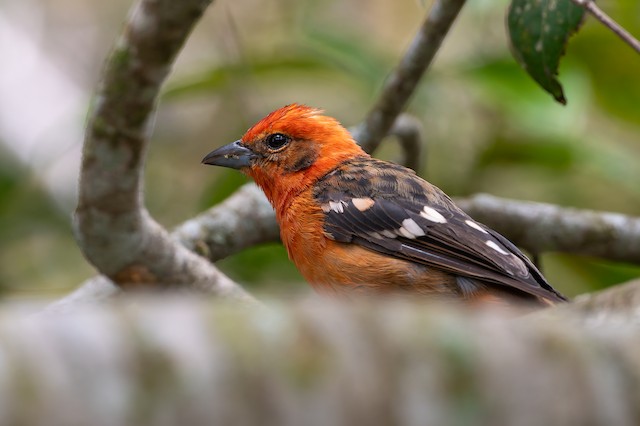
(400, 233)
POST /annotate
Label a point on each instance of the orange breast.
(337, 268)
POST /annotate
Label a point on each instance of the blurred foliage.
(489, 128)
(36, 237)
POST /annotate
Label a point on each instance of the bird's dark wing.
(387, 208)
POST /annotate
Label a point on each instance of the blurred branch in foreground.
(188, 361)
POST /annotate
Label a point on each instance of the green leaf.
(539, 31)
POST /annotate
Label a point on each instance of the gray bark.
(171, 360)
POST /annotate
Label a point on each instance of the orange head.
(288, 151)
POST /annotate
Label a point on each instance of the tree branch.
(544, 227)
(243, 220)
(404, 79)
(185, 361)
(114, 230)
(591, 7)
(537, 227)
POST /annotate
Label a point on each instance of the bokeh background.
(488, 127)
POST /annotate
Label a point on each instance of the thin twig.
(404, 79)
(606, 20)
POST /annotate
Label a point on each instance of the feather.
(438, 234)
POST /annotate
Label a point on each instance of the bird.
(356, 225)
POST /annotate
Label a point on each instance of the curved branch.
(243, 220)
(542, 227)
(404, 79)
(114, 230)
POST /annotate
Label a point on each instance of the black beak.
(234, 155)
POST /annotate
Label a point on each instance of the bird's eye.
(277, 141)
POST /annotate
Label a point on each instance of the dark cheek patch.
(301, 161)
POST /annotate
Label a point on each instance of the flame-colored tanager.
(352, 223)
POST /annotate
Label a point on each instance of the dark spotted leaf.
(539, 31)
